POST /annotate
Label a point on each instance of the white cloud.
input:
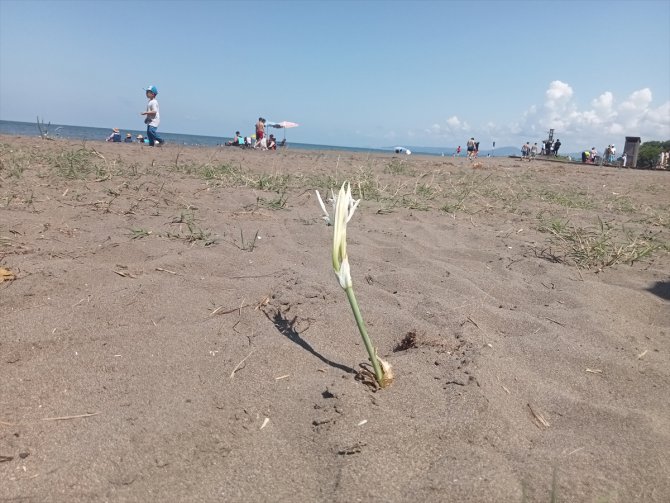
(558, 94)
(603, 102)
(454, 122)
(604, 120)
(447, 130)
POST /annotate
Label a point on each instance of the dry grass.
(599, 246)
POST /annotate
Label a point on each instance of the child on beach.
(152, 118)
(115, 136)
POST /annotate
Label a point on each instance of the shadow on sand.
(286, 327)
(662, 289)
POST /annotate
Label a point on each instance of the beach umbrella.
(283, 125)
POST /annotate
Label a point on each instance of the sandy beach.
(171, 328)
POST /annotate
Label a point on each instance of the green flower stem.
(364, 334)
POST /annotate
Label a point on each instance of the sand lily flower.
(344, 207)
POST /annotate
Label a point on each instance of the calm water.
(100, 134)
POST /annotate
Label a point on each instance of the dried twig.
(63, 418)
(218, 309)
(539, 418)
(554, 321)
(237, 367)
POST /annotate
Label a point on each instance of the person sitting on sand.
(238, 141)
(129, 138)
(140, 139)
(115, 136)
(272, 143)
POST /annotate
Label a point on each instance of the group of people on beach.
(116, 137)
(260, 141)
(472, 148)
(528, 152)
(549, 148)
(609, 157)
(152, 121)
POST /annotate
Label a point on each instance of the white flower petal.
(344, 275)
(326, 216)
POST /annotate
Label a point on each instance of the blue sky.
(368, 74)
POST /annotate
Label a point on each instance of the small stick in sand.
(218, 310)
(641, 355)
(262, 303)
(237, 367)
(594, 371)
(554, 321)
(265, 422)
(282, 377)
(539, 418)
(165, 270)
(63, 418)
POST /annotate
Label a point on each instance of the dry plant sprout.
(344, 206)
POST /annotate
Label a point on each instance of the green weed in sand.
(195, 232)
(599, 246)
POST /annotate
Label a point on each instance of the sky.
(351, 73)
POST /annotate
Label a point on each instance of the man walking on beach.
(152, 118)
(260, 133)
(471, 148)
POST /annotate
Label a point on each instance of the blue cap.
(153, 89)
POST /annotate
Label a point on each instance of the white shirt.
(152, 106)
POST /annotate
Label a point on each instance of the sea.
(99, 134)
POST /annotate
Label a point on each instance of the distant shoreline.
(18, 128)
